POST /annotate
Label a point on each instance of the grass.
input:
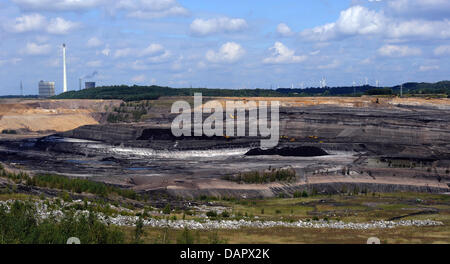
(341, 207)
(345, 207)
(59, 182)
(280, 235)
(19, 225)
(359, 208)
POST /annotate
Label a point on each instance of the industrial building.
(46, 89)
(88, 85)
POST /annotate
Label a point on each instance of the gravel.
(44, 212)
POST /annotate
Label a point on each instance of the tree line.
(138, 93)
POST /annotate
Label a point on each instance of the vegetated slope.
(135, 93)
(442, 87)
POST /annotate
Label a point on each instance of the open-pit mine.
(332, 145)
(342, 165)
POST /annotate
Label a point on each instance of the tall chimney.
(64, 69)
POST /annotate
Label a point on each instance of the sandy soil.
(53, 115)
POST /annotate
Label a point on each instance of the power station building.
(46, 89)
(88, 85)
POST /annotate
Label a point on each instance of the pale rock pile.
(44, 212)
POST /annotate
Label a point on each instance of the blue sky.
(223, 44)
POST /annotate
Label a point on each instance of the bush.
(139, 230)
(19, 225)
(257, 177)
(9, 131)
(380, 91)
(225, 214)
(167, 210)
(211, 214)
(54, 181)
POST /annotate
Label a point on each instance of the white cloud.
(419, 28)
(228, 53)
(366, 61)
(154, 53)
(200, 27)
(60, 26)
(356, 20)
(149, 9)
(94, 64)
(25, 23)
(173, 11)
(36, 49)
(433, 9)
(398, 51)
(284, 30)
(94, 42)
(153, 49)
(424, 68)
(165, 56)
(57, 5)
(442, 50)
(37, 22)
(142, 9)
(138, 65)
(334, 64)
(106, 51)
(359, 20)
(139, 78)
(125, 52)
(12, 61)
(282, 54)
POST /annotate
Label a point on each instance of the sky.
(223, 44)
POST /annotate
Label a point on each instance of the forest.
(136, 93)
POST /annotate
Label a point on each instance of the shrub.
(19, 225)
(139, 230)
(9, 131)
(167, 210)
(225, 214)
(257, 177)
(380, 91)
(54, 181)
(211, 214)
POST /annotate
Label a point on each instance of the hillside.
(135, 93)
